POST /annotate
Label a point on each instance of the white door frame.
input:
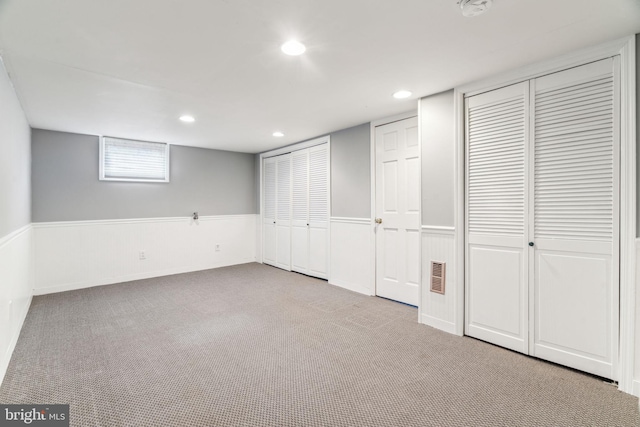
(284, 150)
(626, 49)
(372, 130)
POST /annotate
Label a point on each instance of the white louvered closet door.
(496, 263)
(269, 241)
(300, 212)
(319, 211)
(283, 211)
(575, 219)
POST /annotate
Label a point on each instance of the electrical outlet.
(217, 248)
(143, 255)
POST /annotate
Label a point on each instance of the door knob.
(378, 220)
(530, 243)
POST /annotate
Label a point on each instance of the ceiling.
(130, 68)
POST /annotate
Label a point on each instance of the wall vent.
(437, 277)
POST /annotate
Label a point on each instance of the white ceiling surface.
(131, 68)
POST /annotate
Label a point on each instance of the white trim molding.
(295, 147)
(434, 322)
(14, 234)
(344, 220)
(437, 229)
(636, 390)
(79, 254)
(91, 222)
(625, 48)
(628, 189)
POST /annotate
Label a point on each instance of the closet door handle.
(530, 243)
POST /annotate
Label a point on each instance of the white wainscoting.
(636, 356)
(351, 264)
(80, 254)
(439, 311)
(16, 290)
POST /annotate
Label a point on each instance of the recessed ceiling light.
(187, 119)
(293, 48)
(401, 94)
(474, 7)
(278, 134)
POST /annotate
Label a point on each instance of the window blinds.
(129, 160)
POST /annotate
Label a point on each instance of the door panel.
(576, 218)
(283, 212)
(398, 206)
(498, 293)
(390, 271)
(319, 252)
(572, 291)
(412, 241)
(496, 296)
(269, 243)
(300, 211)
(390, 183)
(319, 210)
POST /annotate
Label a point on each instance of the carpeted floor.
(252, 345)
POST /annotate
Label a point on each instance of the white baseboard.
(351, 286)
(128, 278)
(439, 324)
(81, 254)
(636, 390)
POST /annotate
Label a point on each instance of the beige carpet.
(252, 345)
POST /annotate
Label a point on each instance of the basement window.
(129, 160)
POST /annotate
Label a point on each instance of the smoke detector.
(474, 7)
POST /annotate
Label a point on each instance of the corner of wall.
(17, 293)
(439, 310)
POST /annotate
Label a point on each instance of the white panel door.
(496, 293)
(300, 211)
(575, 223)
(269, 241)
(319, 211)
(398, 208)
(283, 211)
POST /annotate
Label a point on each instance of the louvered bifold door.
(575, 224)
(269, 248)
(496, 191)
(300, 211)
(283, 211)
(319, 211)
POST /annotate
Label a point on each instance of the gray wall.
(65, 184)
(15, 160)
(351, 172)
(438, 160)
(638, 135)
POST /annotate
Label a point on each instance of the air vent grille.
(437, 277)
